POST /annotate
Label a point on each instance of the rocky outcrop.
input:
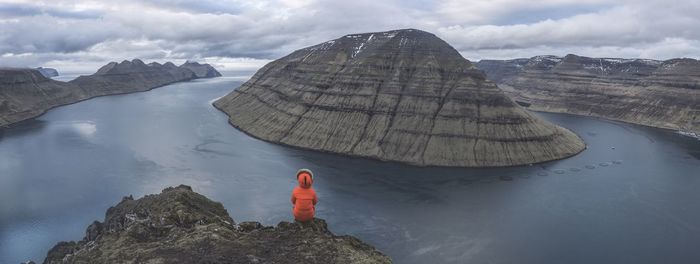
(201, 70)
(181, 226)
(47, 72)
(662, 94)
(26, 93)
(402, 95)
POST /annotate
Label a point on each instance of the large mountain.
(402, 95)
(182, 226)
(654, 93)
(26, 93)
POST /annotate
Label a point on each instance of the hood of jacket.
(305, 180)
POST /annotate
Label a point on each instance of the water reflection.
(85, 128)
(25, 128)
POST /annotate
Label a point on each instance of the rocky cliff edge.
(182, 226)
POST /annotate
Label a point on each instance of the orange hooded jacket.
(304, 197)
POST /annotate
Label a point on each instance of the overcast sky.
(80, 36)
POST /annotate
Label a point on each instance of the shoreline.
(687, 133)
(228, 119)
(11, 124)
(111, 79)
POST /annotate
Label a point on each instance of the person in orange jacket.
(304, 197)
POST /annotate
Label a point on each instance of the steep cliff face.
(201, 70)
(654, 93)
(181, 226)
(402, 95)
(26, 93)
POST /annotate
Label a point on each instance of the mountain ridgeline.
(402, 95)
(649, 92)
(26, 93)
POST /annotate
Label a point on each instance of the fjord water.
(631, 197)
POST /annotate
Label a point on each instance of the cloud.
(35, 33)
(202, 7)
(619, 26)
(485, 12)
(667, 48)
(22, 10)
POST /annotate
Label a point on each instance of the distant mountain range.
(27, 93)
(655, 93)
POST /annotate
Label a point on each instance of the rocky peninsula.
(654, 93)
(26, 93)
(402, 95)
(181, 226)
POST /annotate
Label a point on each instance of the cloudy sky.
(80, 36)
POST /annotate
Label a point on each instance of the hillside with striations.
(402, 95)
(655, 93)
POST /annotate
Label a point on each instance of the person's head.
(305, 178)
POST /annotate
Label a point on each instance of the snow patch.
(591, 67)
(613, 60)
(403, 42)
(389, 34)
(357, 50)
(309, 55)
(547, 58)
(323, 46)
(650, 62)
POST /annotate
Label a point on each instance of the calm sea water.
(631, 197)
